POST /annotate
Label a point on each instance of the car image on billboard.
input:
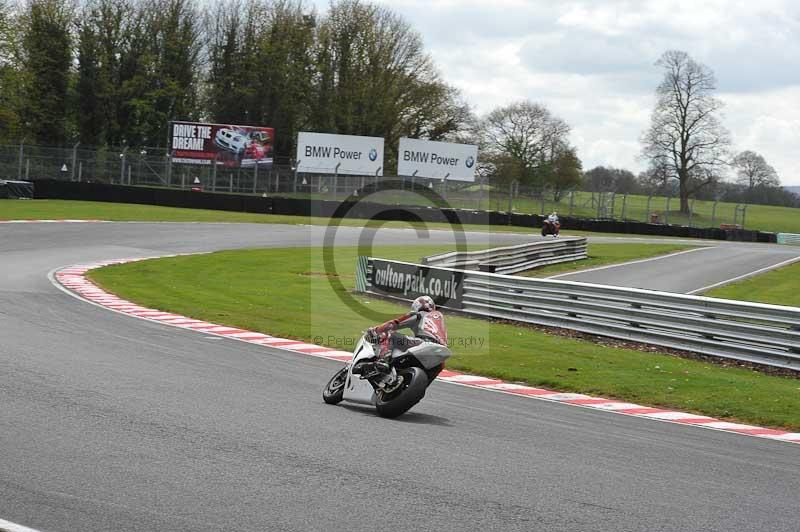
(231, 146)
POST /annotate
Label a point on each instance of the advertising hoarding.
(437, 159)
(229, 145)
(322, 153)
(409, 281)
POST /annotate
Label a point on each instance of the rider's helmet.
(423, 303)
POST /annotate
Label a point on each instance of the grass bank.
(777, 287)
(286, 292)
(606, 254)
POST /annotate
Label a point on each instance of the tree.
(11, 76)
(607, 179)
(753, 171)
(528, 133)
(566, 172)
(90, 119)
(47, 57)
(686, 136)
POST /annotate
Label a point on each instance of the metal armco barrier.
(789, 238)
(751, 332)
(513, 259)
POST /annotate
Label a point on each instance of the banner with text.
(409, 281)
(228, 145)
(323, 153)
(437, 159)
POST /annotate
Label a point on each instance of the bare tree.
(753, 171)
(527, 133)
(686, 136)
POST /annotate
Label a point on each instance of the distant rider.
(425, 322)
(553, 218)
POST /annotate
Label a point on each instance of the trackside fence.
(750, 332)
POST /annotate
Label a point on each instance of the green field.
(604, 254)
(286, 292)
(777, 287)
(586, 204)
(124, 212)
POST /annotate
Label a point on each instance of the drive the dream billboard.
(323, 153)
(228, 145)
(437, 159)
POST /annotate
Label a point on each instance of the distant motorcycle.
(392, 393)
(551, 228)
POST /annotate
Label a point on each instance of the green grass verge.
(128, 212)
(285, 292)
(777, 287)
(605, 254)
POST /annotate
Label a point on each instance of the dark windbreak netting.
(16, 189)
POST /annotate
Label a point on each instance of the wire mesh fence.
(154, 167)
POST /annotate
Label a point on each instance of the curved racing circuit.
(128, 425)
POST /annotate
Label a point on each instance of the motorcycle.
(391, 392)
(551, 228)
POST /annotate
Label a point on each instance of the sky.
(592, 63)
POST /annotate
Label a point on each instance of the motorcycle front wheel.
(410, 392)
(334, 390)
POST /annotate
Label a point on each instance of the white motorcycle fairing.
(356, 389)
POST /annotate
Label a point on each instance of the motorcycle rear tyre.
(334, 390)
(411, 392)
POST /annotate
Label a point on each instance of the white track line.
(660, 257)
(8, 526)
(746, 275)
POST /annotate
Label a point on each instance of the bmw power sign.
(323, 153)
(425, 158)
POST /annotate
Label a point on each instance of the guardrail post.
(255, 177)
(634, 323)
(624, 205)
(336, 179)
(649, 197)
(714, 213)
(691, 211)
(744, 213)
(572, 314)
(74, 160)
(21, 158)
(541, 210)
(666, 213)
(571, 201)
(122, 166)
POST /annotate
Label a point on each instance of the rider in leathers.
(425, 322)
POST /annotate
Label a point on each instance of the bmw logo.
(470, 161)
(373, 154)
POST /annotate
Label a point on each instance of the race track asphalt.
(686, 273)
(114, 423)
